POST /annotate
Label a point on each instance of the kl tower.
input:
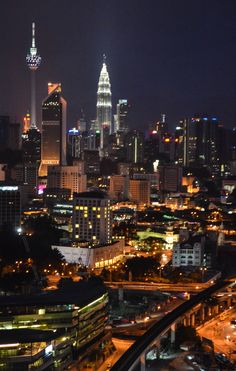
(33, 61)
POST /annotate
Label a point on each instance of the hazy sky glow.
(177, 57)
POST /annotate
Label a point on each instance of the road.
(222, 333)
(121, 347)
(147, 286)
(138, 329)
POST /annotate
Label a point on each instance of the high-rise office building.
(26, 123)
(104, 107)
(134, 145)
(91, 161)
(170, 178)
(33, 61)
(92, 219)
(4, 131)
(182, 142)
(68, 177)
(53, 140)
(122, 116)
(139, 191)
(14, 139)
(10, 206)
(75, 143)
(31, 146)
(118, 188)
(26, 174)
(206, 146)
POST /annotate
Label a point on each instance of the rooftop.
(26, 336)
(80, 294)
(91, 194)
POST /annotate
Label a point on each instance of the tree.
(43, 234)
(186, 333)
(17, 282)
(140, 265)
(65, 282)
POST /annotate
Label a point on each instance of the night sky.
(166, 56)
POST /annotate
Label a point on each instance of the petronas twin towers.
(104, 108)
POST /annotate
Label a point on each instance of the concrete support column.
(209, 311)
(202, 313)
(143, 362)
(121, 294)
(188, 319)
(172, 333)
(193, 320)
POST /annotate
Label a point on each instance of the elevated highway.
(154, 286)
(189, 313)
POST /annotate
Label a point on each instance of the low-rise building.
(93, 256)
(48, 329)
(189, 253)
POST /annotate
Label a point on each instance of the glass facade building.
(53, 141)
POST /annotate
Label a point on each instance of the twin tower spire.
(104, 101)
(104, 107)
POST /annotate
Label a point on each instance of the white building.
(95, 256)
(189, 253)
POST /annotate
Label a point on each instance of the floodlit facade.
(189, 253)
(93, 257)
(53, 140)
(104, 106)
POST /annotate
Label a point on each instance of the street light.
(160, 268)
(203, 270)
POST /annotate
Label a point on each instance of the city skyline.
(176, 59)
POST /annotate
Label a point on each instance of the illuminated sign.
(9, 188)
(73, 131)
(41, 188)
(48, 350)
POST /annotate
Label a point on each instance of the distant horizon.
(164, 57)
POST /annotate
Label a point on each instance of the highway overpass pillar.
(188, 319)
(121, 293)
(143, 362)
(193, 319)
(202, 313)
(172, 333)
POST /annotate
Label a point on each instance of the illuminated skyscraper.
(33, 61)
(104, 107)
(134, 145)
(92, 219)
(122, 116)
(53, 140)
